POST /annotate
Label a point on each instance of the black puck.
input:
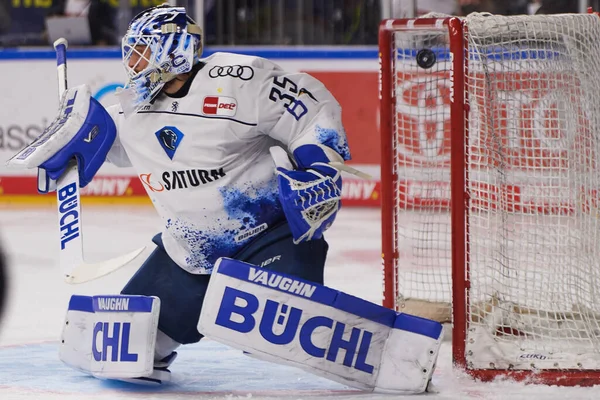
(426, 58)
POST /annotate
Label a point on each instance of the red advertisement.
(356, 192)
(530, 135)
(533, 143)
(100, 186)
(526, 138)
(357, 93)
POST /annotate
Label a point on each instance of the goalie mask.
(160, 43)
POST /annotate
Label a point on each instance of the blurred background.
(334, 40)
(247, 22)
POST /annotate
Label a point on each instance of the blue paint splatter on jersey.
(246, 208)
(332, 138)
(252, 206)
(204, 246)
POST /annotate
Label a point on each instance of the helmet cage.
(159, 44)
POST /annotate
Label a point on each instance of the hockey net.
(499, 117)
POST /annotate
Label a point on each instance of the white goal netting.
(533, 186)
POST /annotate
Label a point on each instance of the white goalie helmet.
(160, 43)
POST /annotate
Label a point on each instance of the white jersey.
(204, 158)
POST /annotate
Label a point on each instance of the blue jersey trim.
(195, 115)
(296, 53)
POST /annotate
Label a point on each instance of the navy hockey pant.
(182, 294)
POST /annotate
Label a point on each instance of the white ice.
(29, 365)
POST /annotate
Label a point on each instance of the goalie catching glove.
(83, 131)
(311, 195)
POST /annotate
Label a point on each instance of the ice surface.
(29, 365)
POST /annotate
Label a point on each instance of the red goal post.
(482, 127)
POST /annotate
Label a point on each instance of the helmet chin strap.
(165, 77)
(191, 28)
(173, 28)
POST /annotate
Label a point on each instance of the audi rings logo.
(242, 72)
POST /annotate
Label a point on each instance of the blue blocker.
(182, 294)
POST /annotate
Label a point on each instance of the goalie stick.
(74, 268)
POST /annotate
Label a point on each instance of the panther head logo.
(169, 139)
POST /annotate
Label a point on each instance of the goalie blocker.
(326, 332)
(83, 131)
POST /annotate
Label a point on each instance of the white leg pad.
(324, 331)
(111, 336)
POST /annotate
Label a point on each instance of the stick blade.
(88, 272)
(350, 170)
